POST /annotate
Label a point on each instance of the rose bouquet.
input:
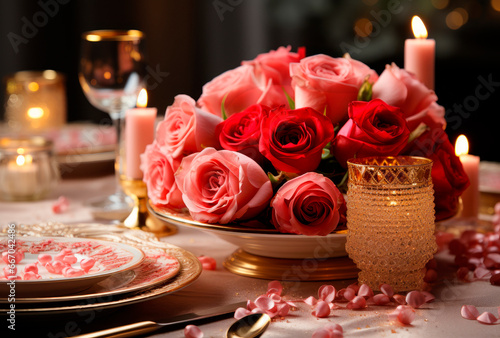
(267, 143)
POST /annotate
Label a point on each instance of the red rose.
(374, 129)
(448, 175)
(293, 140)
(241, 132)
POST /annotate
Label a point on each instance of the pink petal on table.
(469, 312)
(400, 299)
(381, 299)
(208, 263)
(327, 293)
(192, 331)
(251, 305)
(487, 318)
(354, 286)
(349, 294)
(415, 299)
(310, 301)
(365, 291)
(329, 331)
(481, 272)
(386, 289)
(495, 279)
(357, 303)
(72, 272)
(463, 274)
(404, 314)
(492, 260)
(429, 297)
(31, 267)
(265, 303)
(321, 310)
(282, 309)
(431, 264)
(241, 312)
(274, 287)
(61, 205)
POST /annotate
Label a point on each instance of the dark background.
(194, 41)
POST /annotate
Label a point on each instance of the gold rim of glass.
(34, 143)
(390, 161)
(113, 35)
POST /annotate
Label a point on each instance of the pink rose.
(223, 186)
(401, 89)
(275, 65)
(307, 205)
(186, 129)
(239, 88)
(159, 169)
(328, 84)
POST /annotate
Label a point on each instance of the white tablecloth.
(439, 319)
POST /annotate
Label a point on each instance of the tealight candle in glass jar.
(28, 169)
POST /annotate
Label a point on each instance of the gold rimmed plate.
(124, 289)
(109, 258)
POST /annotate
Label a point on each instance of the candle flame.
(418, 28)
(461, 146)
(35, 113)
(142, 99)
(20, 160)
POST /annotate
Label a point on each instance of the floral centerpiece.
(267, 143)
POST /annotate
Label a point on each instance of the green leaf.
(291, 102)
(422, 128)
(222, 108)
(365, 91)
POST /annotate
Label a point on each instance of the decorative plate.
(190, 270)
(264, 241)
(62, 274)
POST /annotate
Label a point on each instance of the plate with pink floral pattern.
(54, 266)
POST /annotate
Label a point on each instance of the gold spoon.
(251, 326)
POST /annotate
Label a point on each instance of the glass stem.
(118, 123)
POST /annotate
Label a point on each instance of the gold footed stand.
(140, 218)
(250, 265)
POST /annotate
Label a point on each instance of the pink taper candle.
(420, 54)
(470, 197)
(139, 132)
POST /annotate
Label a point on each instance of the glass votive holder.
(28, 168)
(35, 100)
(390, 220)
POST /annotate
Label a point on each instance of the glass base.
(114, 207)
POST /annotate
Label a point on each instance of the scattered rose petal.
(381, 299)
(349, 294)
(404, 314)
(365, 291)
(495, 279)
(241, 312)
(386, 289)
(72, 272)
(192, 331)
(329, 331)
(310, 301)
(431, 264)
(55, 267)
(31, 267)
(327, 293)
(487, 318)
(492, 260)
(469, 312)
(274, 287)
(430, 276)
(70, 259)
(463, 274)
(400, 299)
(61, 205)
(429, 297)
(481, 272)
(265, 303)
(321, 310)
(357, 303)
(9, 273)
(208, 263)
(415, 299)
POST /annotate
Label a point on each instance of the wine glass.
(112, 72)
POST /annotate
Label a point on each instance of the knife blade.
(143, 327)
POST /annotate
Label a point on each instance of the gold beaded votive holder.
(390, 220)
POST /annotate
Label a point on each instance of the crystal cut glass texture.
(390, 218)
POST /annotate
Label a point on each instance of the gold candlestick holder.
(140, 218)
